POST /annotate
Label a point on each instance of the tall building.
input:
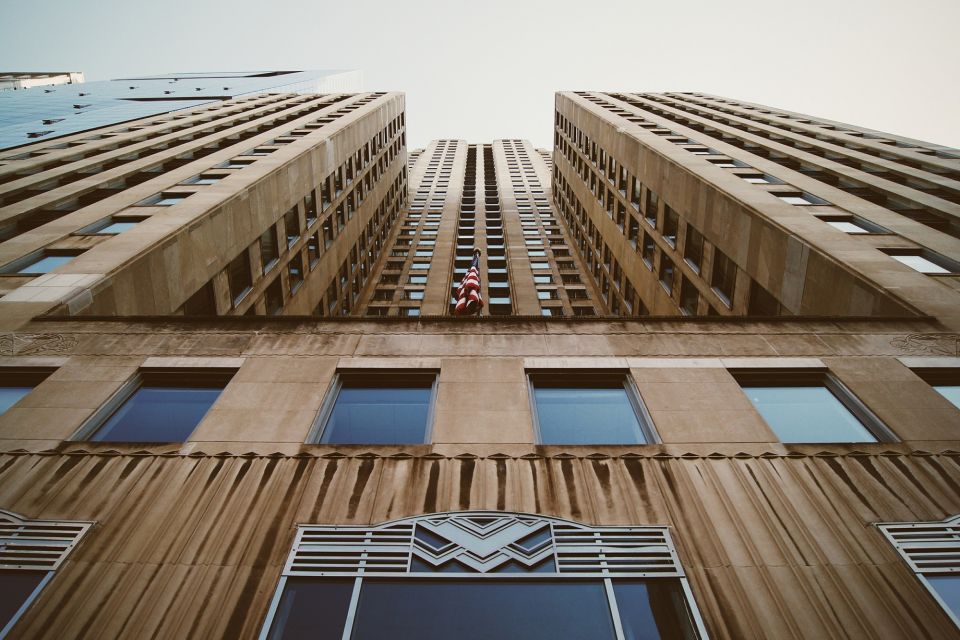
(713, 392)
(48, 112)
(17, 80)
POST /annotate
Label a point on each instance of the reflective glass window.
(806, 410)
(587, 409)
(380, 409)
(162, 407)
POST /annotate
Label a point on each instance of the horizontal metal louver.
(37, 545)
(928, 547)
(483, 542)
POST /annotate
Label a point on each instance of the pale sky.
(488, 69)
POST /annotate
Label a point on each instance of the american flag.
(469, 301)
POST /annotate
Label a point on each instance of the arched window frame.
(579, 551)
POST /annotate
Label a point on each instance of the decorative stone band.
(928, 547)
(37, 545)
(484, 542)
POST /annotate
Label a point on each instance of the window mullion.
(352, 609)
(614, 608)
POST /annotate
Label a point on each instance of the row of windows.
(663, 241)
(920, 259)
(540, 227)
(846, 222)
(322, 221)
(873, 192)
(411, 257)
(229, 115)
(167, 198)
(571, 408)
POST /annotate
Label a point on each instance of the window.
(852, 224)
(762, 302)
(310, 206)
(295, 272)
(239, 278)
(671, 225)
(650, 210)
(378, 409)
(924, 261)
(649, 250)
(810, 406)
(693, 248)
(16, 382)
(273, 298)
(40, 263)
(269, 248)
(689, 297)
(418, 279)
(112, 226)
(34, 549)
(291, 223)
(163, 200)
(539, 578)
(313, 250)
(667, 274)
(158, 405)
(589, 408)
(724, 277)
(929, 549)
(946, 381)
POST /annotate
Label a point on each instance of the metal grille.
(37, 545)
(483, 542)
(928, 547)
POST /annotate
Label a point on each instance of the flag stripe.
(469, 300)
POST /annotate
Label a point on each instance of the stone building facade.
(774, 458)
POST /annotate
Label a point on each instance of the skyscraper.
(39, 112)
(713, 391)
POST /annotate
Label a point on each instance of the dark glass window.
(653, 610)
(649, 250)
(380, 409)
(313, 250)
(291, 223)
(587, 409)
(269, 248)
(441, 609)
(16, 587)
(273, 297)
(671, 225)
(808, 406)
(667, 273)
(762, 302)
(239, 278)
(693, 248)
(689, 297)
(482, 610)
(162, 406)
(724, 277)
(650, 208)
(314, 609)
(201, 303)
(295, 271)
(310, 205)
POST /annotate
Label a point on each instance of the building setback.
(713, 392)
